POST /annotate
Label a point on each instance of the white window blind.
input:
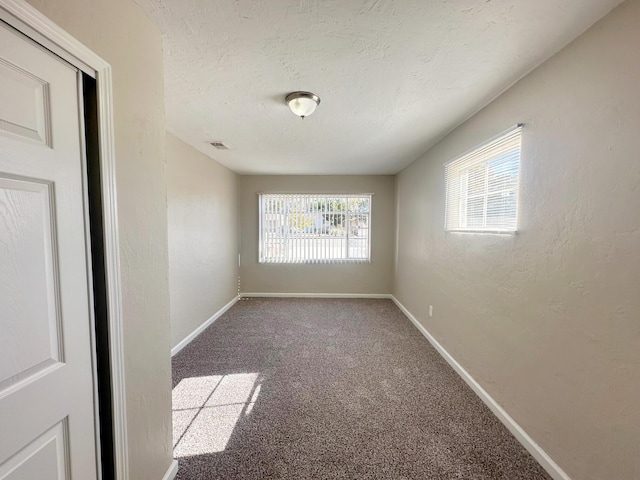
(482, 187)
(314, 228)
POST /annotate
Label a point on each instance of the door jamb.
(26, 15)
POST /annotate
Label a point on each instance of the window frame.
(462, 165)
(306, 196)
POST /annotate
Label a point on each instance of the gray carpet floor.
(331, 389)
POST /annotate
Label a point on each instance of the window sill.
(491, 232)
(318, 262)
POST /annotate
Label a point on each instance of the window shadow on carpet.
(206, 410)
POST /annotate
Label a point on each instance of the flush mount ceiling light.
(302, 104)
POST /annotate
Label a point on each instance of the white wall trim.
(172, 471)
(316, 295)
(527, 442)
(19, 14)
(186, 340)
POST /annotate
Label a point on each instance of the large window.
(313, 228)
(482, 187)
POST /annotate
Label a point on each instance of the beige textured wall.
(119, 32)
(202, 202)
(375, 277)
(547, 320)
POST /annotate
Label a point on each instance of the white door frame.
(24, 17)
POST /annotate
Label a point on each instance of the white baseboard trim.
(316, 295)
(185, 341)
(527, 442)
(172, 471)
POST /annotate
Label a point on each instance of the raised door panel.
(30, 321)
(24, 104)
(43, 459)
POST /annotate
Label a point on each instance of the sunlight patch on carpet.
(207, 409)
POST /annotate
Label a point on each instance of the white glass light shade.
(302, 104)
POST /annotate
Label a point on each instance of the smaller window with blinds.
(482, 187)
(314, 228)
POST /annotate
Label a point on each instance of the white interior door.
(46, 385)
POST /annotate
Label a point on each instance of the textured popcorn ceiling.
(393, 76)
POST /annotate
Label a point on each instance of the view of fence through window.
(313, 228)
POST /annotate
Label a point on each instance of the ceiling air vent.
(220, 145)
